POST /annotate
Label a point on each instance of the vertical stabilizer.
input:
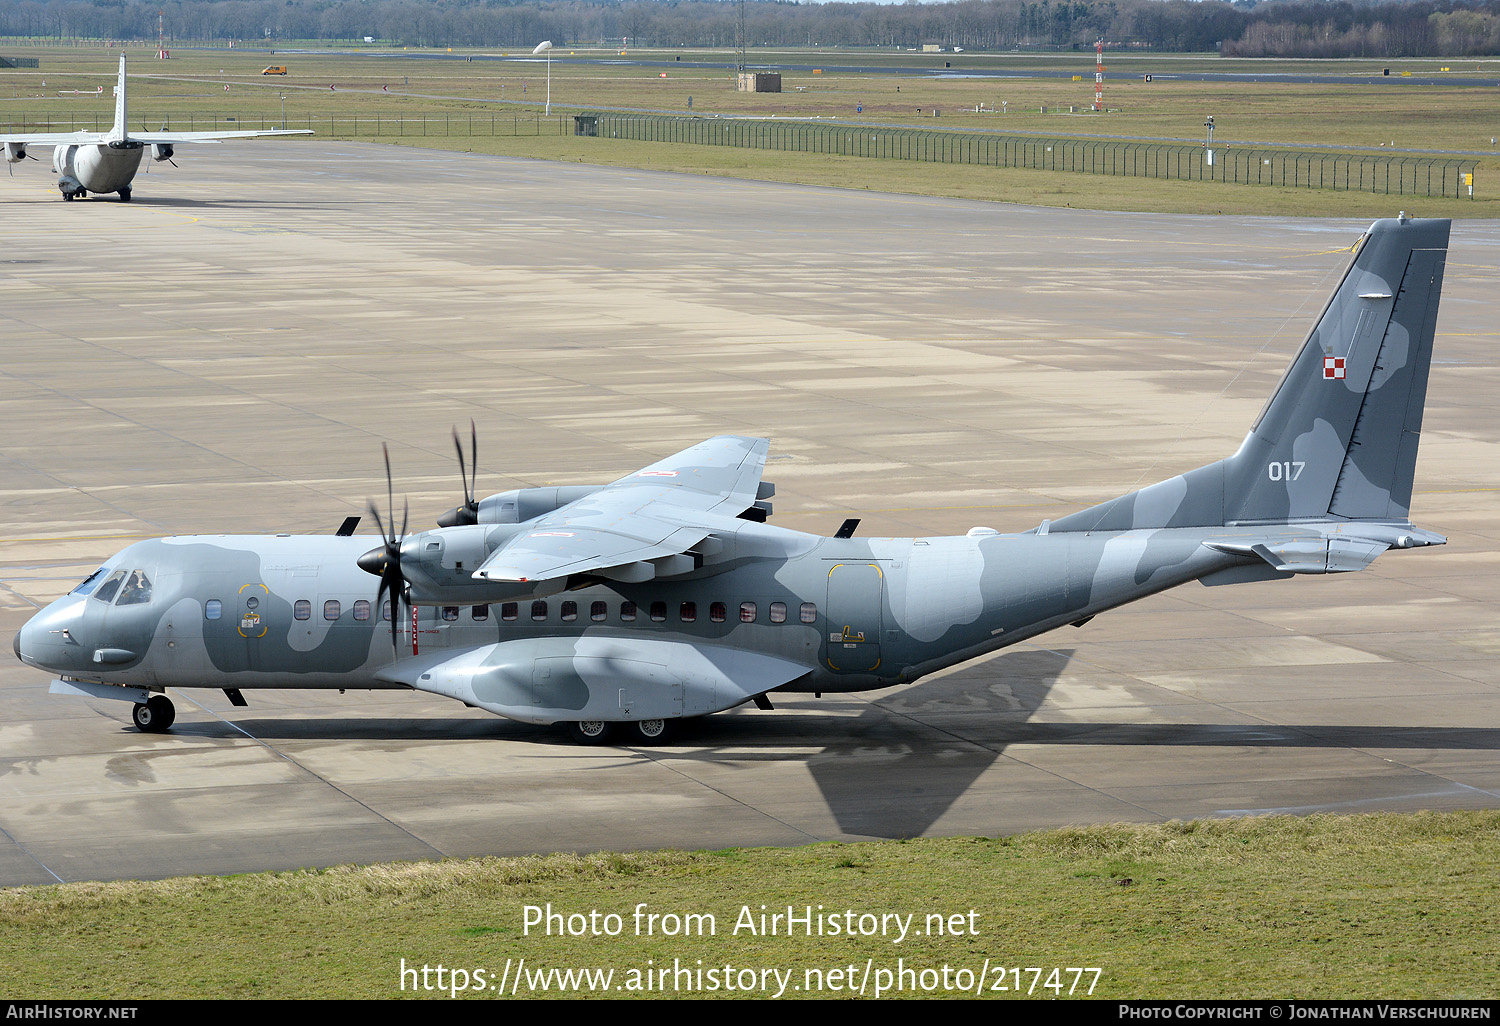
(1338, 438)
(120, 131)
(1342, 427)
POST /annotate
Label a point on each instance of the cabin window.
(450, 612)
(107, 590)
(539, 610)
(718, 612)
(362, 609)
(213, 609)
(570, 611)
(688, 612)
(509, 611)
(479, 613)
(627, 610)
(331, 609)
(598, 611)
(302, 609)
(809, 612)
(658, 612)
(747, 612)
(778, 612)
(385, 610)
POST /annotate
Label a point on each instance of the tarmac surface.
(227, 353)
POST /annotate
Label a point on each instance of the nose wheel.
(154, 715)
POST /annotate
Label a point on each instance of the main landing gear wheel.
(124, 195)
(651, 732)
(591, 732)
(154, 715)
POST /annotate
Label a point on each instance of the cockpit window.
(106, 591)
(137, 589)
(89, 583)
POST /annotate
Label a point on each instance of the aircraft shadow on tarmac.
(187, 203)
(898, 766)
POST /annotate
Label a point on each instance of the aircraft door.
(251, 624)
(855, 612)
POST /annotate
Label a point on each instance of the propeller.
(385, 561)
(468, 513)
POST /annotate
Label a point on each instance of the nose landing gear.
(154, 715)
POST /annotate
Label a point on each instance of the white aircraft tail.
(120, 131)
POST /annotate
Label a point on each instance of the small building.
(760, 82)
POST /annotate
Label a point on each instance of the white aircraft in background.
(101, 162)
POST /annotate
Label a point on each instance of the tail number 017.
(1287, 470)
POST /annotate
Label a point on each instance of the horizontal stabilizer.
(1330, 552)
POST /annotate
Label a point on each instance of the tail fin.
(121, 129)
(1338, 438)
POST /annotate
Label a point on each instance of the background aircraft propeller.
(385, 562)
(468, 513)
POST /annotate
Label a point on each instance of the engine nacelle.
(523, 504)
(15, 152)
(62, 160)
(161, 151)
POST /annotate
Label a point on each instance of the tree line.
(1275, 28)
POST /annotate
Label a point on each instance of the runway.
(227, 353)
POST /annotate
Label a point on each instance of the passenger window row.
(628, 612)
(568, 611)
(302, 609)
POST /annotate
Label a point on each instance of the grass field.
(1426, 118)
(1321, 907)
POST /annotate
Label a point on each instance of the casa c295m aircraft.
(104, 162)
(624, 608)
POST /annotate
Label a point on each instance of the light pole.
(546, 47)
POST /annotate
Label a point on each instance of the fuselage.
(296, 612)
(97, 167)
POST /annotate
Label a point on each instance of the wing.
(53, 138)
(642, 525)
(173, 138)
(181, 138)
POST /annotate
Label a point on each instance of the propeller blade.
(471, 493)
(385, 561)
(468, 475)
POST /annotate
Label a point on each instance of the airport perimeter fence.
(1393, 174)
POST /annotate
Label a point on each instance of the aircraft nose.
(47, 640)
(24, 644)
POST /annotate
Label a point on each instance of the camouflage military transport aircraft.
(104, 162)
(622, 608)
